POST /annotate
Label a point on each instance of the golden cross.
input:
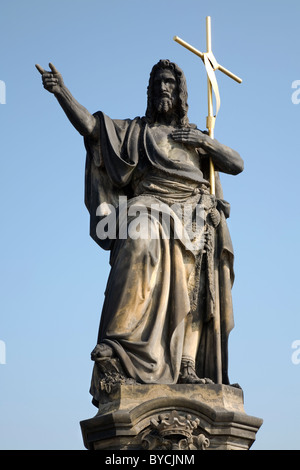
(210, 65)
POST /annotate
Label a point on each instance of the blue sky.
(53, 275)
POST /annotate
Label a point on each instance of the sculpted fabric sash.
(210, 65)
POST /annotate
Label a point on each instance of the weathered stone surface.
(191, 417)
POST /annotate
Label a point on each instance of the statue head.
(176, 97)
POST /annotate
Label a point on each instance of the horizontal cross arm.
(201, 55)
(189, 47)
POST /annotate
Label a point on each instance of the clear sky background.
(53, 275)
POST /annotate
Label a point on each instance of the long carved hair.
(182, 92)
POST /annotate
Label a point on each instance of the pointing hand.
(53, 80)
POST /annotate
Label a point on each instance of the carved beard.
(164, 105)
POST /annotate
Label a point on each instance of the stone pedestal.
(170, 417)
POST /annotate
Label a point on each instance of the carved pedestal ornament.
(173, 431)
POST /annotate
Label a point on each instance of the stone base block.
(171, 417)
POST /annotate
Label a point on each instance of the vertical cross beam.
(210, 117)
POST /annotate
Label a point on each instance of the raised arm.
(83, 121)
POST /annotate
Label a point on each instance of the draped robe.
(152, 281)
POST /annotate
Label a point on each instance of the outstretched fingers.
(53, 68)
(43, 71)
(40, 69)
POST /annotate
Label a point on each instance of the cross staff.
(210, 65)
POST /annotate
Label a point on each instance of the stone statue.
(167, 312)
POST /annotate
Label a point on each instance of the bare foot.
(188, 374)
